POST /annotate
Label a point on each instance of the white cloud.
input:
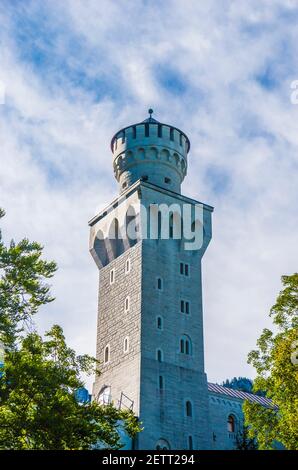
(100, 71)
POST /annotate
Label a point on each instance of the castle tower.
(148, 245)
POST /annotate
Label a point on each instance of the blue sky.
(76, 71)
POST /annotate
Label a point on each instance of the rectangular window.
(181, 268)
(112, 276)
(184, 269)
(184, 306)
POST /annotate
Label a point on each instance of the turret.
(150, 151)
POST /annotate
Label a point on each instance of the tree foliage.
(22, 285)
(276, 364)
(239, 383)
(38, 408)
(243, 441)
(39, 377)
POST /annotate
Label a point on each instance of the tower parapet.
(150, 151)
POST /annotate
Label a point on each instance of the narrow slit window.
(127, 266)
(159, 355)
(134, 132)
(126, 345)
(171, 133)
(159, 283)
(112, 276)
(161, 382)
(107, 354)
(159, 130)
(181, 268)
(159, 323)
(182, 309)
(126, 304)
(146, 129)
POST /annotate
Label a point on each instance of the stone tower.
(150, 322)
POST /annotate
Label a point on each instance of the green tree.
(276, 365)
(243, 441)
(22, 285)
(239, 383)
(39, 378)
(38, 408)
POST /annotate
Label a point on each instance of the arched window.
(188, 408)
(115, 239)
(162, 444)
(185, 345)
(126, 345)
(104, 396)
(159, 323)
(231, 423)
(159, 355)
(107, 354)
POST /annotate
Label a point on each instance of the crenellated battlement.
(151, 151)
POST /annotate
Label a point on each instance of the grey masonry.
(150, 318)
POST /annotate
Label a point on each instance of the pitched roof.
(230, 392)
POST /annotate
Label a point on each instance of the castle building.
(148, 245)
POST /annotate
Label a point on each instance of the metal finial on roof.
(150, 111)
